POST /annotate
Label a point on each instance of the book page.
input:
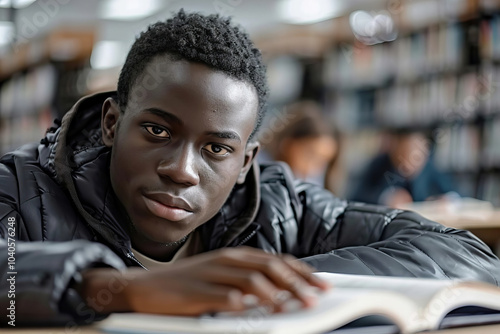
(463, 294)
(433, 298)
(335, 309)
(411, 304)
(419, 290)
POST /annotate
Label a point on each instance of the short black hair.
(211, 40)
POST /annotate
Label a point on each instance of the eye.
(216, 149)
(157, 131)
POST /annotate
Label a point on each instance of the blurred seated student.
(404, 173)
(307, 143)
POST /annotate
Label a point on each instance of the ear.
(251, 151)
(109, 121)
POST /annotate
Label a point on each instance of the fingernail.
(291, 305)
(309, 295)
(250, 300)
(281, 296)
(322, 283)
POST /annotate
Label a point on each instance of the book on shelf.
(406, 305)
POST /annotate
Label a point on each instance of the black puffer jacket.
(59, 200)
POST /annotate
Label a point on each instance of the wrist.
(105, 290)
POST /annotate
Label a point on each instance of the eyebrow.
(174, 119)
(225, 135)
(164, 114)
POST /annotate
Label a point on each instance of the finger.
(307, 272)
(279, 272)
(301, 268)
(211, 298)
(225, 299)
(248, 281)
(192, 298)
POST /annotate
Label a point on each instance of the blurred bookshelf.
(442, 77)
(39, 81)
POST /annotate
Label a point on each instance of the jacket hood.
(79, 161)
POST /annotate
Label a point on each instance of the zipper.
(132, 257)
(247, 238)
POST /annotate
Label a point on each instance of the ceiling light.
(16, 3)
(372, 28)
(309, 11)
(127, 10)
(107, 54)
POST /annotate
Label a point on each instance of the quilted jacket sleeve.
(35, 275)
(355, 238)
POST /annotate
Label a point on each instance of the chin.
(162, 235)
(167, 238)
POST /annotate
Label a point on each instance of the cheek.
(119, 171)
(127, 166)
(219, 181)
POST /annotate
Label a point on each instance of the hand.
(396, 197)
(447, 198)
(212, 282)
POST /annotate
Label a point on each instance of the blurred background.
(384, 101)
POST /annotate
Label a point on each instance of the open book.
(409, 304)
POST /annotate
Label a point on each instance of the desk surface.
(471, 218)
(490, 329)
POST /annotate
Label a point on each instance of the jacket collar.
(237, 214)
(80, 163)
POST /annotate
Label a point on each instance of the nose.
(180, 167)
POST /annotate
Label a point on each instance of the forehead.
(195, 87)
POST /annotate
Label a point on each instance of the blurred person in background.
(404, 173)
(306, 142)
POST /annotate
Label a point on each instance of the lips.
(167, 207)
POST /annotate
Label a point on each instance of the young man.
(160, 176)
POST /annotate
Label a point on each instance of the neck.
(157, 251)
